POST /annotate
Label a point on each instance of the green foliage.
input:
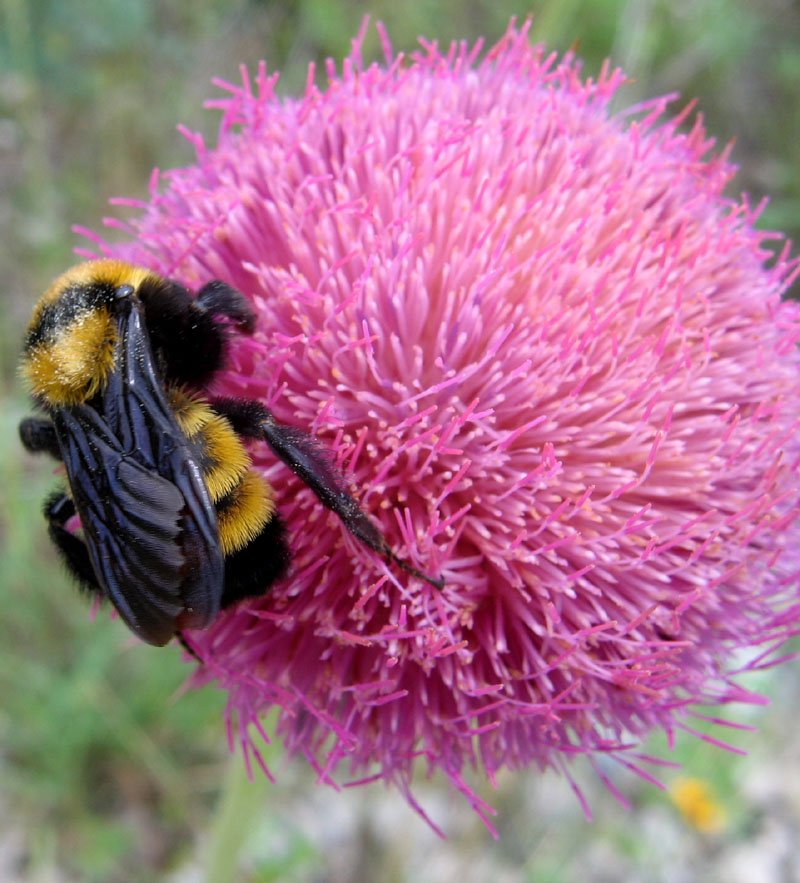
(91, 725)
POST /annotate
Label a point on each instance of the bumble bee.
(176, 523)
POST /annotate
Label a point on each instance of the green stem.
(237, 811)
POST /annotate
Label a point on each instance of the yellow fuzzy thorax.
(108, 270)
(74, 366)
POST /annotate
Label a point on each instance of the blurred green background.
(110, 771)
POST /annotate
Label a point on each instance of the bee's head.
(69, 347)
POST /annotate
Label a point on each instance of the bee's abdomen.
(244, 500)
(243, 513)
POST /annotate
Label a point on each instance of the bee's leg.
(307, 459)
(37, 435)
(188, 333)
(181, 639)
(58, 509)
(220, 299)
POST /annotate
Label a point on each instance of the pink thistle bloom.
(554, 362)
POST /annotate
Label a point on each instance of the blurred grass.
(111, 774)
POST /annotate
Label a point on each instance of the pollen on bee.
(110, 270)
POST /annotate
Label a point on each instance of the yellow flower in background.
(698, 805)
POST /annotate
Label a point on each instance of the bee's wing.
(131, 522)
(149, 523)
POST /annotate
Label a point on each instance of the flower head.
(552, 359)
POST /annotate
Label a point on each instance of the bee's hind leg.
(58, 509)
(304, 455)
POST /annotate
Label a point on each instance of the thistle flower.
(553, 361)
